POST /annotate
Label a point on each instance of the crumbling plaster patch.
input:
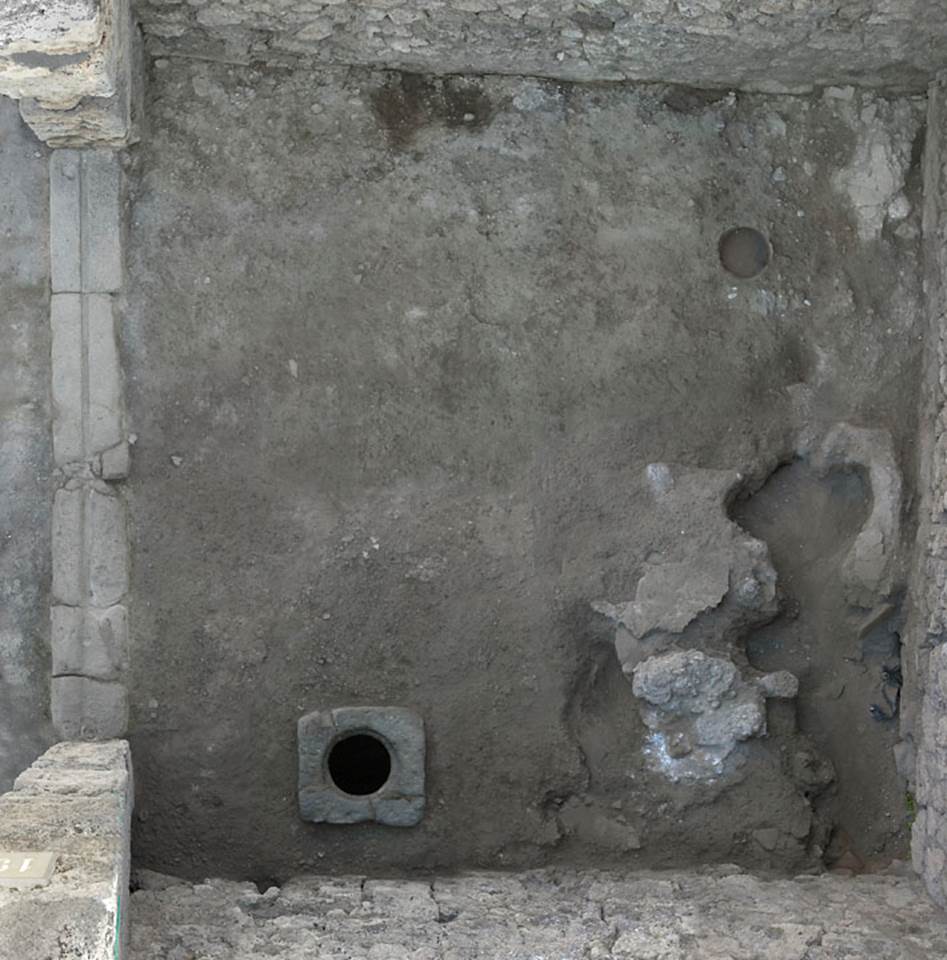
(717, 570)
(874, 179)
(698, 708)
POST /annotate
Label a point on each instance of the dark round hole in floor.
(744, 252)
(359, 764)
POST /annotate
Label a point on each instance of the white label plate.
(19, 868)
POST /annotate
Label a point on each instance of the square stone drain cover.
(360, 764)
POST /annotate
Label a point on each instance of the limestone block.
(86, 377)
(85, 198)
(86, 709)
(90, 642)
(108, 549)
(66, 325)
(116, 461)
(90, 549)
(67, 546)
(76, 800)
(65, 191)
(59, 51)
(101, 212)
(75, 67)
(39, 927)
(104, 417)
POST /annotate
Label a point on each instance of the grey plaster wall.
(25, 442)
(398, 352)
(776, 45)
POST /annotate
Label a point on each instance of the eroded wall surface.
(399, 352)
(777, 45)
(25, 442)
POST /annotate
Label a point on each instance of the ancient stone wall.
(779, 45)
(74, 802)
(926, 641)
(719, 914)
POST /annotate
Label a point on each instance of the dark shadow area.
(360, 764)
(847, 660)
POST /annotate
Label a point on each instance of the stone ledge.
(76, 801)
(777, 46)
(717, 914)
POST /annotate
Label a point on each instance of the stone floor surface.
(721, 914)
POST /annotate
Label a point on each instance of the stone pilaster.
(90, 447)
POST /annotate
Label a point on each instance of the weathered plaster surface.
(775, 45)
(399, 352)
(25, 446)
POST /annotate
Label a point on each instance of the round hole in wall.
(359, 764)
(744, 252)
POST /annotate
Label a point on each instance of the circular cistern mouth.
(359, 764)
(744, 252)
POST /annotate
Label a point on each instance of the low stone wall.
(924, 718)
(75, 801)
(721, 914)
(777, 45)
